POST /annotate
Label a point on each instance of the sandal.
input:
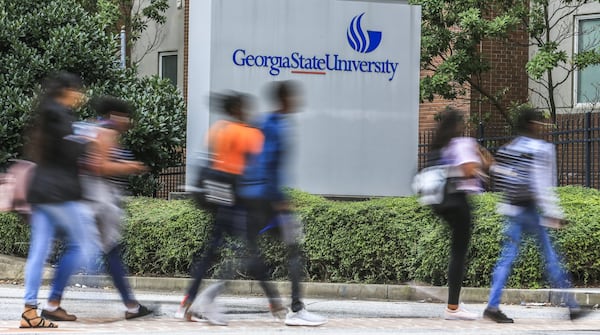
(29, 322)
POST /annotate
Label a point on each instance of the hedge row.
(391, 240)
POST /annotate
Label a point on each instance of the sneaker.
(184, 312)
(496, 316)
(142, 311)
(211, 313)
(459, 314)
(58, 315)
(577, 313)
(278, 310)
(304, 318)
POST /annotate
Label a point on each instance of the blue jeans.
(74, 222)
(527, 221)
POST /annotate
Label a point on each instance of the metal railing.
(171, 180)
(577, 141)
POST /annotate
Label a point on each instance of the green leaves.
(586, 58)
(450, 38)
(547, 58)
(37, 38)
(391, 240)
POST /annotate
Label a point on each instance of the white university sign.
(358, 61)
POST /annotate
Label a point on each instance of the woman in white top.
(462, 153)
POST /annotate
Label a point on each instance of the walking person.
(55, 196)
(107, 166)
(263, 195)
(529, 204)
(462, 154)
(230, 141)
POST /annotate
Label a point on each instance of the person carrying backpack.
(231, 141)
(262, 192)
(526, 173)
(462, 156)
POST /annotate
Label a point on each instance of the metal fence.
(577, 141)
(171, 180)
(576, 137)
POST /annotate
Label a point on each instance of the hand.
(282, 206)
(554, 223)
(486, 157)
(136, 167)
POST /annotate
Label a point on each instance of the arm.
(544, 177)
(100, 161)
(468, 158)
(272, 159)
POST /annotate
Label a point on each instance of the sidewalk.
(100, 311)
(11, 269)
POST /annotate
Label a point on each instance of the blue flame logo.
(358, 40)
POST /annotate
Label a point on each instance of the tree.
(452, 31)
(41, 37)
(135, 16)
(551, 29)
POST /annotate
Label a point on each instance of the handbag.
(7, 192)
(431, 183)
(215, 188)
(435, 184)
(14, 185)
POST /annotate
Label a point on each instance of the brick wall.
(428, 110)
(507, 62)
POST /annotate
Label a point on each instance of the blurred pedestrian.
(230, 142)
(450, 147)
(264, 197)
(55, 196)
(107, 165)
(526, 173)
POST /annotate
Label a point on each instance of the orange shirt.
(231, 142)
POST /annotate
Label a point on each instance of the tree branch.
(541, 82)
(572, 10)
(542, 96)
(567, 77)
(493, 100)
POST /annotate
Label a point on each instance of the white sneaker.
(214, 316)
(184, 312)
(278, 311)
(459, 314)
(209, 309)
(304, 318)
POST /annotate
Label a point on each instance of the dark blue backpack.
(511, 175)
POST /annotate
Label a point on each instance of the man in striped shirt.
(107, 165)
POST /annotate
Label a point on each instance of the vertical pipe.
(123, 47)
(588, 149)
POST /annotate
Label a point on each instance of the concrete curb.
(588, 297)
(11, 268)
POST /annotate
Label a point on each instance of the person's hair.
(106, 105)
(526, 116)
(284, 89)
(232, 104)
(52, 87)
(55, 85)
(447, 127)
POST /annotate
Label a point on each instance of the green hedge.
(391, 240)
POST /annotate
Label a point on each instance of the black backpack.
(511, 175)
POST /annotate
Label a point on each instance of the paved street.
(100, 312)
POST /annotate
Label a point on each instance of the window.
(167, 66)
(588, 79)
